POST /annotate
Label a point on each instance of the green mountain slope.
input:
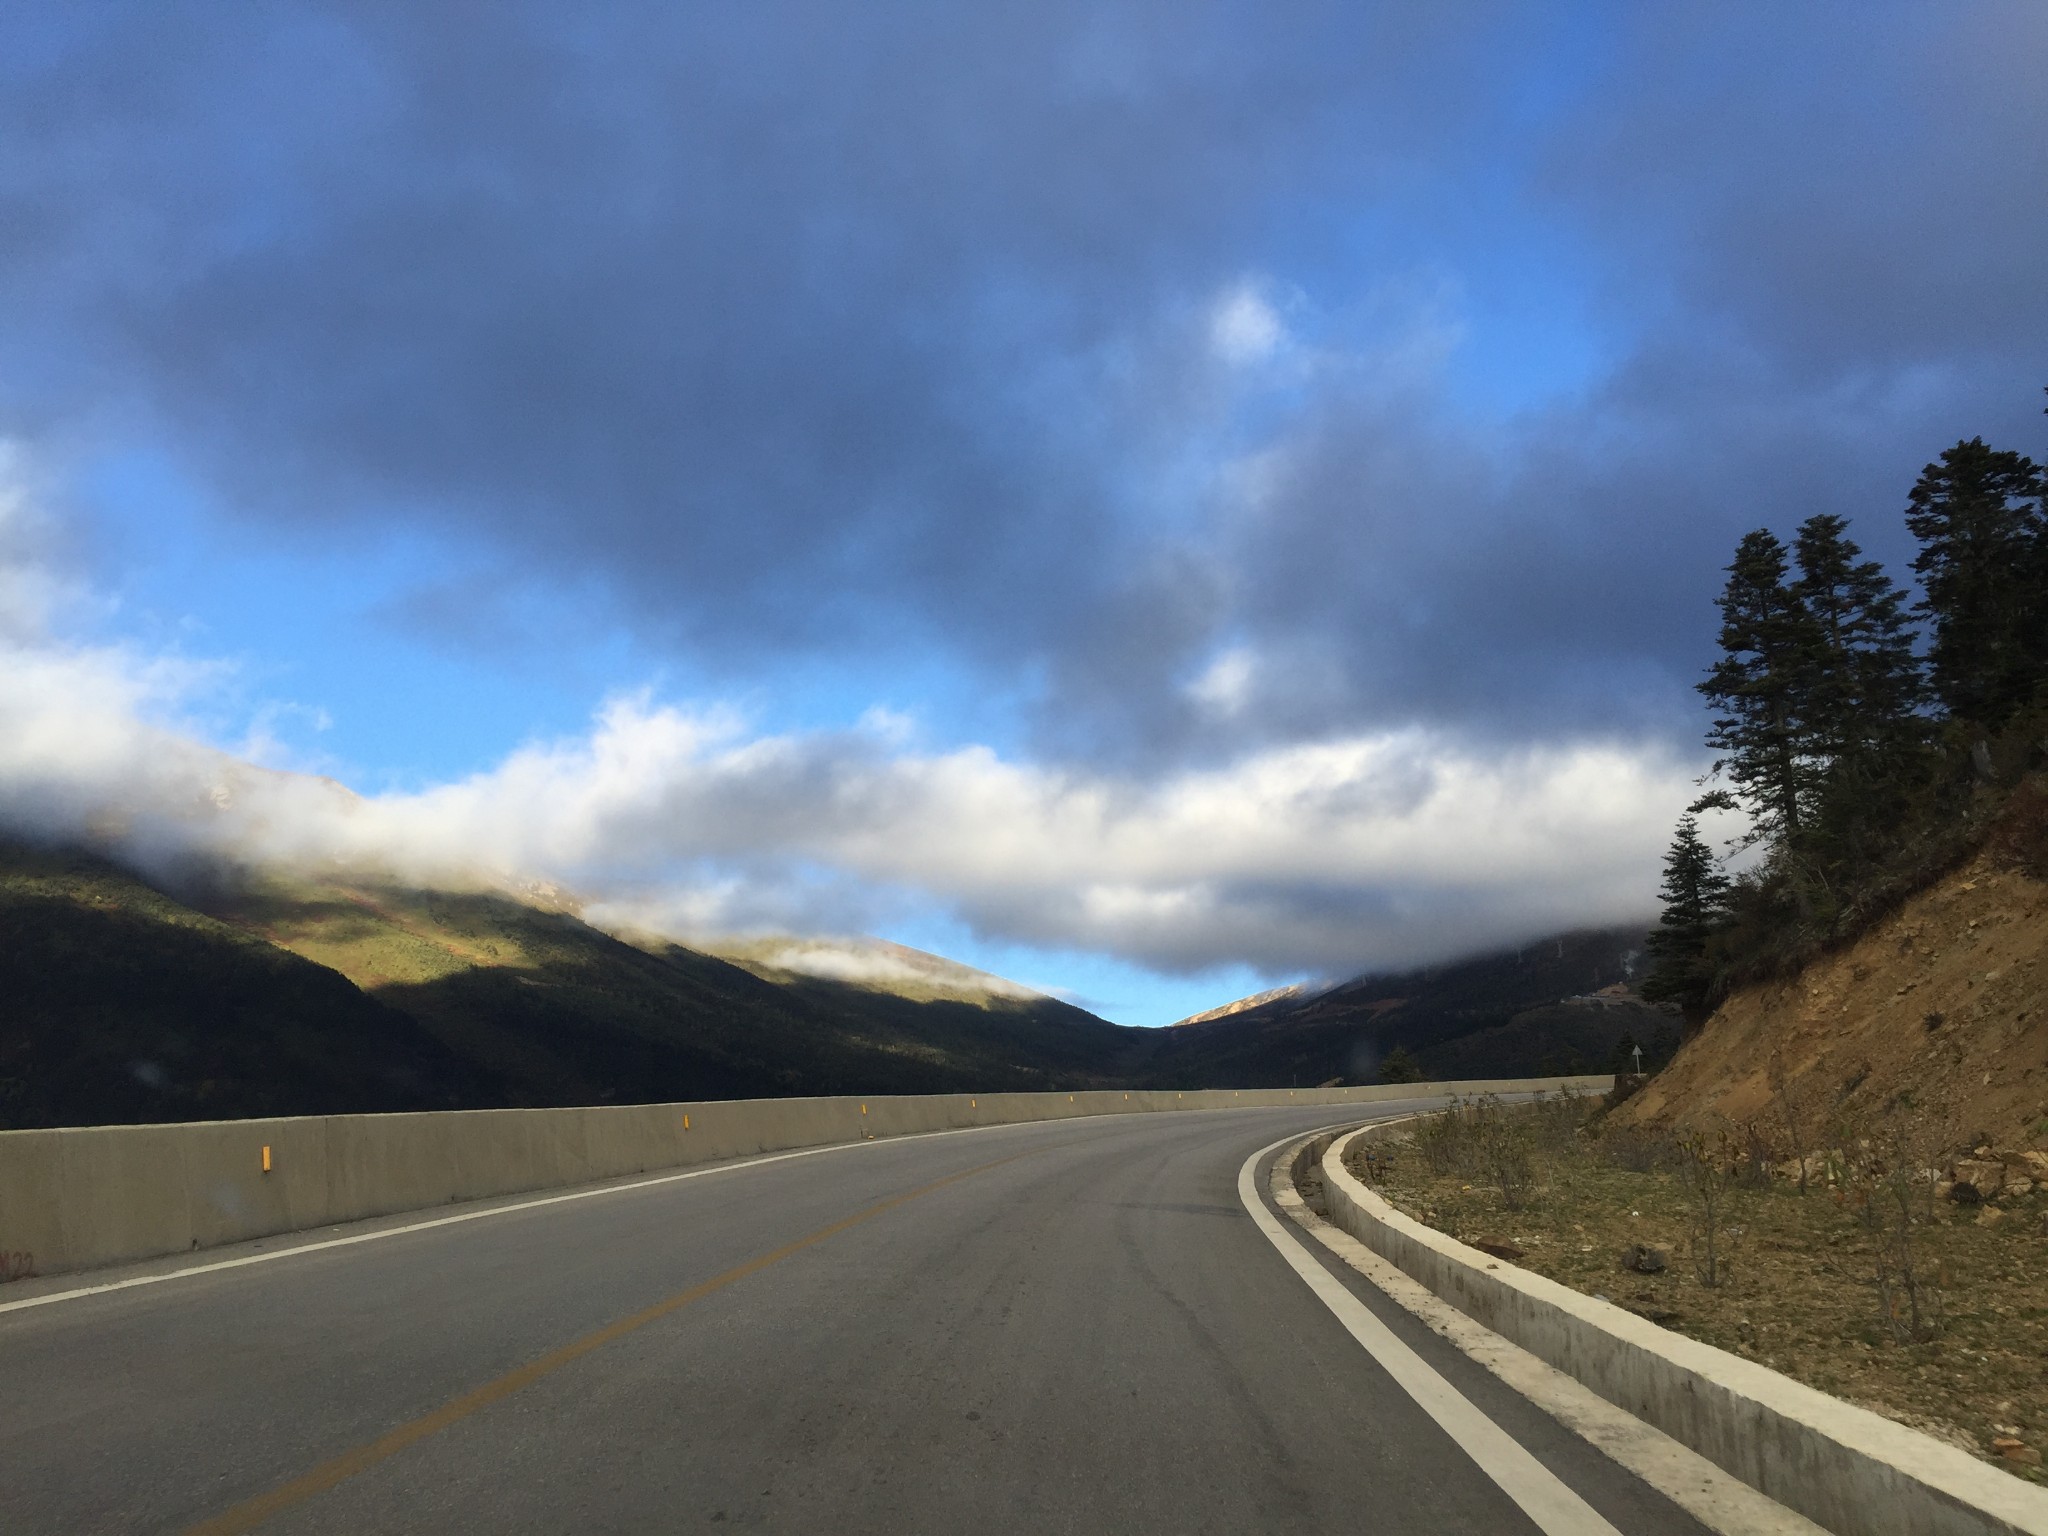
(118, 1003)
(569, 1014)
(246, 996)
(1560, 1039)
(226, 995)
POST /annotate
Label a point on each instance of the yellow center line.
(251, 1513)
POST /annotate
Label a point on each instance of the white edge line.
(497, 1210)
(1540, 1494)
(1720, 1501)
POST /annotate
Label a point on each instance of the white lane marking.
(1719, 1501)
(1555, 1509)
(496, 1210)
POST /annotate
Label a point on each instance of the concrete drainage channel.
(1739, 1446)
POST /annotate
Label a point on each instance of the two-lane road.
(1071, 1326)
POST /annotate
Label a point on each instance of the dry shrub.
(1635, 1151)
(1501, 1141)
(1557, 1122)
(2018, 837)
(1795, 1110)
(1888, 1179)
(1626, 1086)
(1441, 1142)
(1707, 1172)
(1504, 1145)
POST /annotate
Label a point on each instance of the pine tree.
(1756, 690)
(1979, 515)
(1859, 691)
(1400, 1066)
(1864, 682)
(1695, 894)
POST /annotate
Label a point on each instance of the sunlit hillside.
(213, 992)
(241, 995)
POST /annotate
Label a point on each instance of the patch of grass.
(1810, 1285)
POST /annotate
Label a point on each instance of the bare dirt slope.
(1941, 1007)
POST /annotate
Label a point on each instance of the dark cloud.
(799, 325)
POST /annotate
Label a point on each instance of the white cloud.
(264, 742)
(873, 962)
(1225, 685)
(1320, 857)
(1244, 327)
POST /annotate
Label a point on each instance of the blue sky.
(1156, 501)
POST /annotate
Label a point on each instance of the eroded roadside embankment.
(1941, 1008)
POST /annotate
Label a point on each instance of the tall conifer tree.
(1859, 691)
(1978, 513)
(1695, 896)
(1756, 690)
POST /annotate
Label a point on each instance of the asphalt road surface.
(1064, 1327)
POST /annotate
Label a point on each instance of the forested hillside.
(232, 993)
(242, 995)
(1560, 1005)
(1870, 737)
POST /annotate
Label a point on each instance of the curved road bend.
(1067, 1327)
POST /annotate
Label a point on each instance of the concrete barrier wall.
(73, 1199)
(1844, 1467)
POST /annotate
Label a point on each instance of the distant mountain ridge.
(1256, 1000)
(226, 993)
(875, 964)
(1531, 1010)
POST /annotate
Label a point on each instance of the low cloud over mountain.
(1205, 483)
(1320, 855)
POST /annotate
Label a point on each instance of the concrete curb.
(1846, 1468)
(81, 1198)
(1719, 1501)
